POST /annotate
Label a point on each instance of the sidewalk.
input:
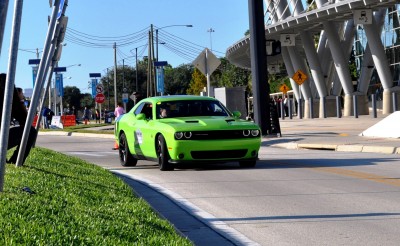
(339, 134)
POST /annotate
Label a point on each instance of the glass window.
(190, 108)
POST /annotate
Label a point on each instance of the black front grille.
(218, 154)
(211, 135)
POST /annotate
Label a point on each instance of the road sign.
(284, 88)
(99, 88)
(99, 98)
(160, 63)
(94, 75)
(125, 97)
(60, 69)
(34, 61)
(212, 62)
(299, 77)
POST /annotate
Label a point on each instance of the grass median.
(56, 199)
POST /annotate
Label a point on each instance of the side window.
(139, 109)
(148, 111)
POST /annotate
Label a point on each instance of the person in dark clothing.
(19, 113)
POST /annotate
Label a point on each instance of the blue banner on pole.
(34, 74)
(59, 84)
(94, 84)
(160, 79)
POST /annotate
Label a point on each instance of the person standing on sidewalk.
(86, 115)
(119, 110)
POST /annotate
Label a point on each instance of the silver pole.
(115, 75)
(39, 82)
(3, 18)
(9, 88)
(373, 99)
(355, 106)
(207, 74)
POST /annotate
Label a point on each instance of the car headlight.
(178, 135)
(246, 133)
(188, 134)
(255, 133)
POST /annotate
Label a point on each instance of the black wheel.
(163, 155)
(248, 163)
(125, 157)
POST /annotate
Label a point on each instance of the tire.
(163, 155)
(248, 163)
(125, 157)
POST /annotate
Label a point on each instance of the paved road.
(292, 197)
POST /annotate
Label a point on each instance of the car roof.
(178, 98)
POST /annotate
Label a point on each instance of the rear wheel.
(125, 157)
(251, 163)
(163, 155)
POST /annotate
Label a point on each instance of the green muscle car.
(185, 129)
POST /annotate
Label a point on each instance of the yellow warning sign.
(299, 77)
(284, 88)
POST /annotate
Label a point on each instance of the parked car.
(185, 129)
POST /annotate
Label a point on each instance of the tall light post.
(210, 30)
(163, 28)
(136, 68)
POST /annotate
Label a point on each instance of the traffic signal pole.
(259, 66)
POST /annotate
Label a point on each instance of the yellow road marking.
(359, 175)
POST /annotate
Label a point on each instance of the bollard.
(300, 111)
(338, 107)
(310, 101)
(355, 108)
(324, 106)
(373, 99)
(290, 109)
(394, 99)
(282, 110)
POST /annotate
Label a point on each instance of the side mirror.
(236, 114)
(141, 116)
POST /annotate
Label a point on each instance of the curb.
(340, 148)
(77, 134)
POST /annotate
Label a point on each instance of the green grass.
(75, 203)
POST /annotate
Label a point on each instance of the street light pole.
(163, 28)
(136, 86)
(210, 31)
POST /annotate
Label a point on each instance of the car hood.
(208, 123)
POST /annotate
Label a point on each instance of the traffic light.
(273, 47)
(276, 47)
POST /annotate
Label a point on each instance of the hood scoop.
(229, 120)
(192, 121)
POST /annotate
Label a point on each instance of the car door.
(144, 137)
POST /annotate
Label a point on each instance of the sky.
(126, 22)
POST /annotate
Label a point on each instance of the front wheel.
(163, 155)
(125, 157)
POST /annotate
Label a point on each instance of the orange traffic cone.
(115, 145)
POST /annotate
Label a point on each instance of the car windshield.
(190, 108)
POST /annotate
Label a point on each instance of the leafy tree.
(72, 97)
(229, 75)
(197, 83)
(177, 79)
(87, 101)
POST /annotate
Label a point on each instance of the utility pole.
(115, 74)
(136, 88)
(153, 73)
(148, 68)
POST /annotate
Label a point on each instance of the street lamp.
(74, 65)
(163, 28)
(136, 86)
(210, 31)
